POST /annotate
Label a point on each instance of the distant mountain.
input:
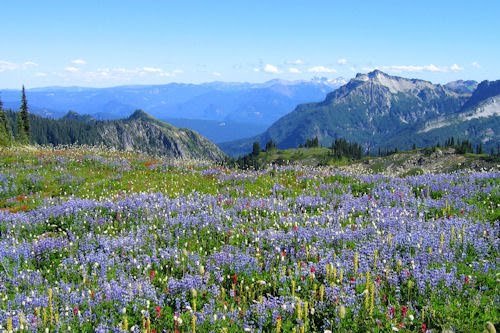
(72, 115)
(462, 87)
(483, 92)
(382, 111)
(139, 132)
(478, 118)
(258, 103)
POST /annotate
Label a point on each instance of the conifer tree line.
(22, 126)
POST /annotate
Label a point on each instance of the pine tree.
(5, 132)
(479, 148)
(256, 148)
(21, 136)
(25, 121)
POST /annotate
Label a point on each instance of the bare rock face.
(141, 132)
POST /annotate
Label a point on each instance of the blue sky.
(107, 43)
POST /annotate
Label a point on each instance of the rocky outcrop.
(141, 132)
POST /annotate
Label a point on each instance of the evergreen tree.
(270, 145)
(342, 148)
(21, 136)
(24, 115)
(256, 148)
(479, 149)
(312, 143)
(5, 132)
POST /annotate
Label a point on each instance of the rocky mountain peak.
(395, 84)
(140, 115)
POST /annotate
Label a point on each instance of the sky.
(96, 43)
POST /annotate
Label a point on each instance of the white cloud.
(476, 65)
(40, 74)
(268, 68)
(11, 66)
(342, 61)
(79, 62)
(295, 62)
(294, 70)
(455, 68)
(152, 70)
(118, 74)
(216, 74)
(7, 66)
(321, 69)
(71, 69)
(29, 64)
(412, 68)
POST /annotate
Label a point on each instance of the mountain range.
(220, 111)
(378, 110)
(139, 132)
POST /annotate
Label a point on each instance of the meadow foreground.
(94, 240)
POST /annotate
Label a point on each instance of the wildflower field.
(94, 240)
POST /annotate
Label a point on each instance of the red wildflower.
(424, 328)
(153, 330)
(313, 269)
(404, 310)
(75, 310)
(235, 278)
(158, 311)
(295, 228)
(152, 274)
(466, 280)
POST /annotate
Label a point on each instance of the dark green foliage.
(479, 148)
(256, 148)
(342, 148)
(312, 143)
(24, 119)
(270, 145)
(5, 130)
(56, 132)
(462, 147)
(21, 135)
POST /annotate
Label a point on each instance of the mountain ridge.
(378, 110)
(257, 105)
(139, 132)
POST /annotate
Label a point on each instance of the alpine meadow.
(226, 167)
